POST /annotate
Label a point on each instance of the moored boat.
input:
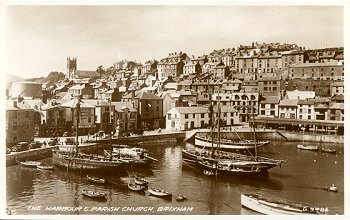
(181, 198)
(331, 188)
(96, 179)
(329, 150)
(94, 194)
(44, 167)
(136, 187)
(276, 206)
(30, 163)
(140, 181)
(307, 147)
(226, 144)
(217, 168)
(159, 192)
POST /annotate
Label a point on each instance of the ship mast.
(77, 127)
(109, 128)
(254, 135)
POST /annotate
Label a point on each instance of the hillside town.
(284, 86)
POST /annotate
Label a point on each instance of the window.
(193, 115)
(272, 112)
(301, 110)
(186, 115)
(309, 117)
(202, 115)
(14, 125)
(89, 119)
(300, 117)
(169, 116)
(272, 105)
(263, 112)
(309, 111)
(15, 114)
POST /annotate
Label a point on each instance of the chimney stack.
(15, 104)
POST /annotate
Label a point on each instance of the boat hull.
(311, 148)
(231, 172)
(270, 208)
(202, 142)
(244, 162)
(86, 165)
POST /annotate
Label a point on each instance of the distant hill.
(52, 78)
(12, 78)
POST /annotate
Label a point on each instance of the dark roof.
(270, 100)
(86, 73)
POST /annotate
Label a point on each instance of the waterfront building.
(55, 119)
(170, 100)
(288, 108)
(306, 109)
(149, 107)
(184, 118)
(86, 116)
(20, 123)
(268, 106)
(335, 112)
(125, 117)
(103, 111)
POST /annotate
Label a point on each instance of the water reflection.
(299, 179)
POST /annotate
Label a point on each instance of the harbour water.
(301, 178)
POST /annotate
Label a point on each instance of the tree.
(100, 70)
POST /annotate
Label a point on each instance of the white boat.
(307, 147)
(159, 192)
(45, 167)
(276, 206)
(94, 194)
(30, 163)
(136, 187)
(140, 181)
(226, 144)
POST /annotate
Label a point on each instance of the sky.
(40, 38)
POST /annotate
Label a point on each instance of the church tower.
(71, 67)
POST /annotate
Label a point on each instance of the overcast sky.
(39, 38)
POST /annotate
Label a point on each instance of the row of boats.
(136, 184)
(316, 148)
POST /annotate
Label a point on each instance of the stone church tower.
(71, 67)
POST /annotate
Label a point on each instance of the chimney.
(180, 52)
(15, 104)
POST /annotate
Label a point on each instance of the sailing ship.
(76, 161)
(306, 147)
(226, 144)
(226, 163)
(276, 206)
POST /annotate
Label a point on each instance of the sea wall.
(313, 137)
(34, 154)
(148, 139)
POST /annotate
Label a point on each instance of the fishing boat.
(226, 144)
(328, 150)
(307, 147)
(159, 192)
(276, 206)
(44, 167)
(29, 163)
(227, 163)
(140, 181)
(73, 160)
(96, 179)
(136, 187)
(239, 160)
(93, 194)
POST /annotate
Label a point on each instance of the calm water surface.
(300, 179)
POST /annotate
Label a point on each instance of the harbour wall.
(281, 136)
(34, 154)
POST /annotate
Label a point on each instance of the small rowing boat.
(329, 150)
(159, 192)
(96, 179)
(181, 198)
(94, 194)
(140, 181)
(136, 188)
